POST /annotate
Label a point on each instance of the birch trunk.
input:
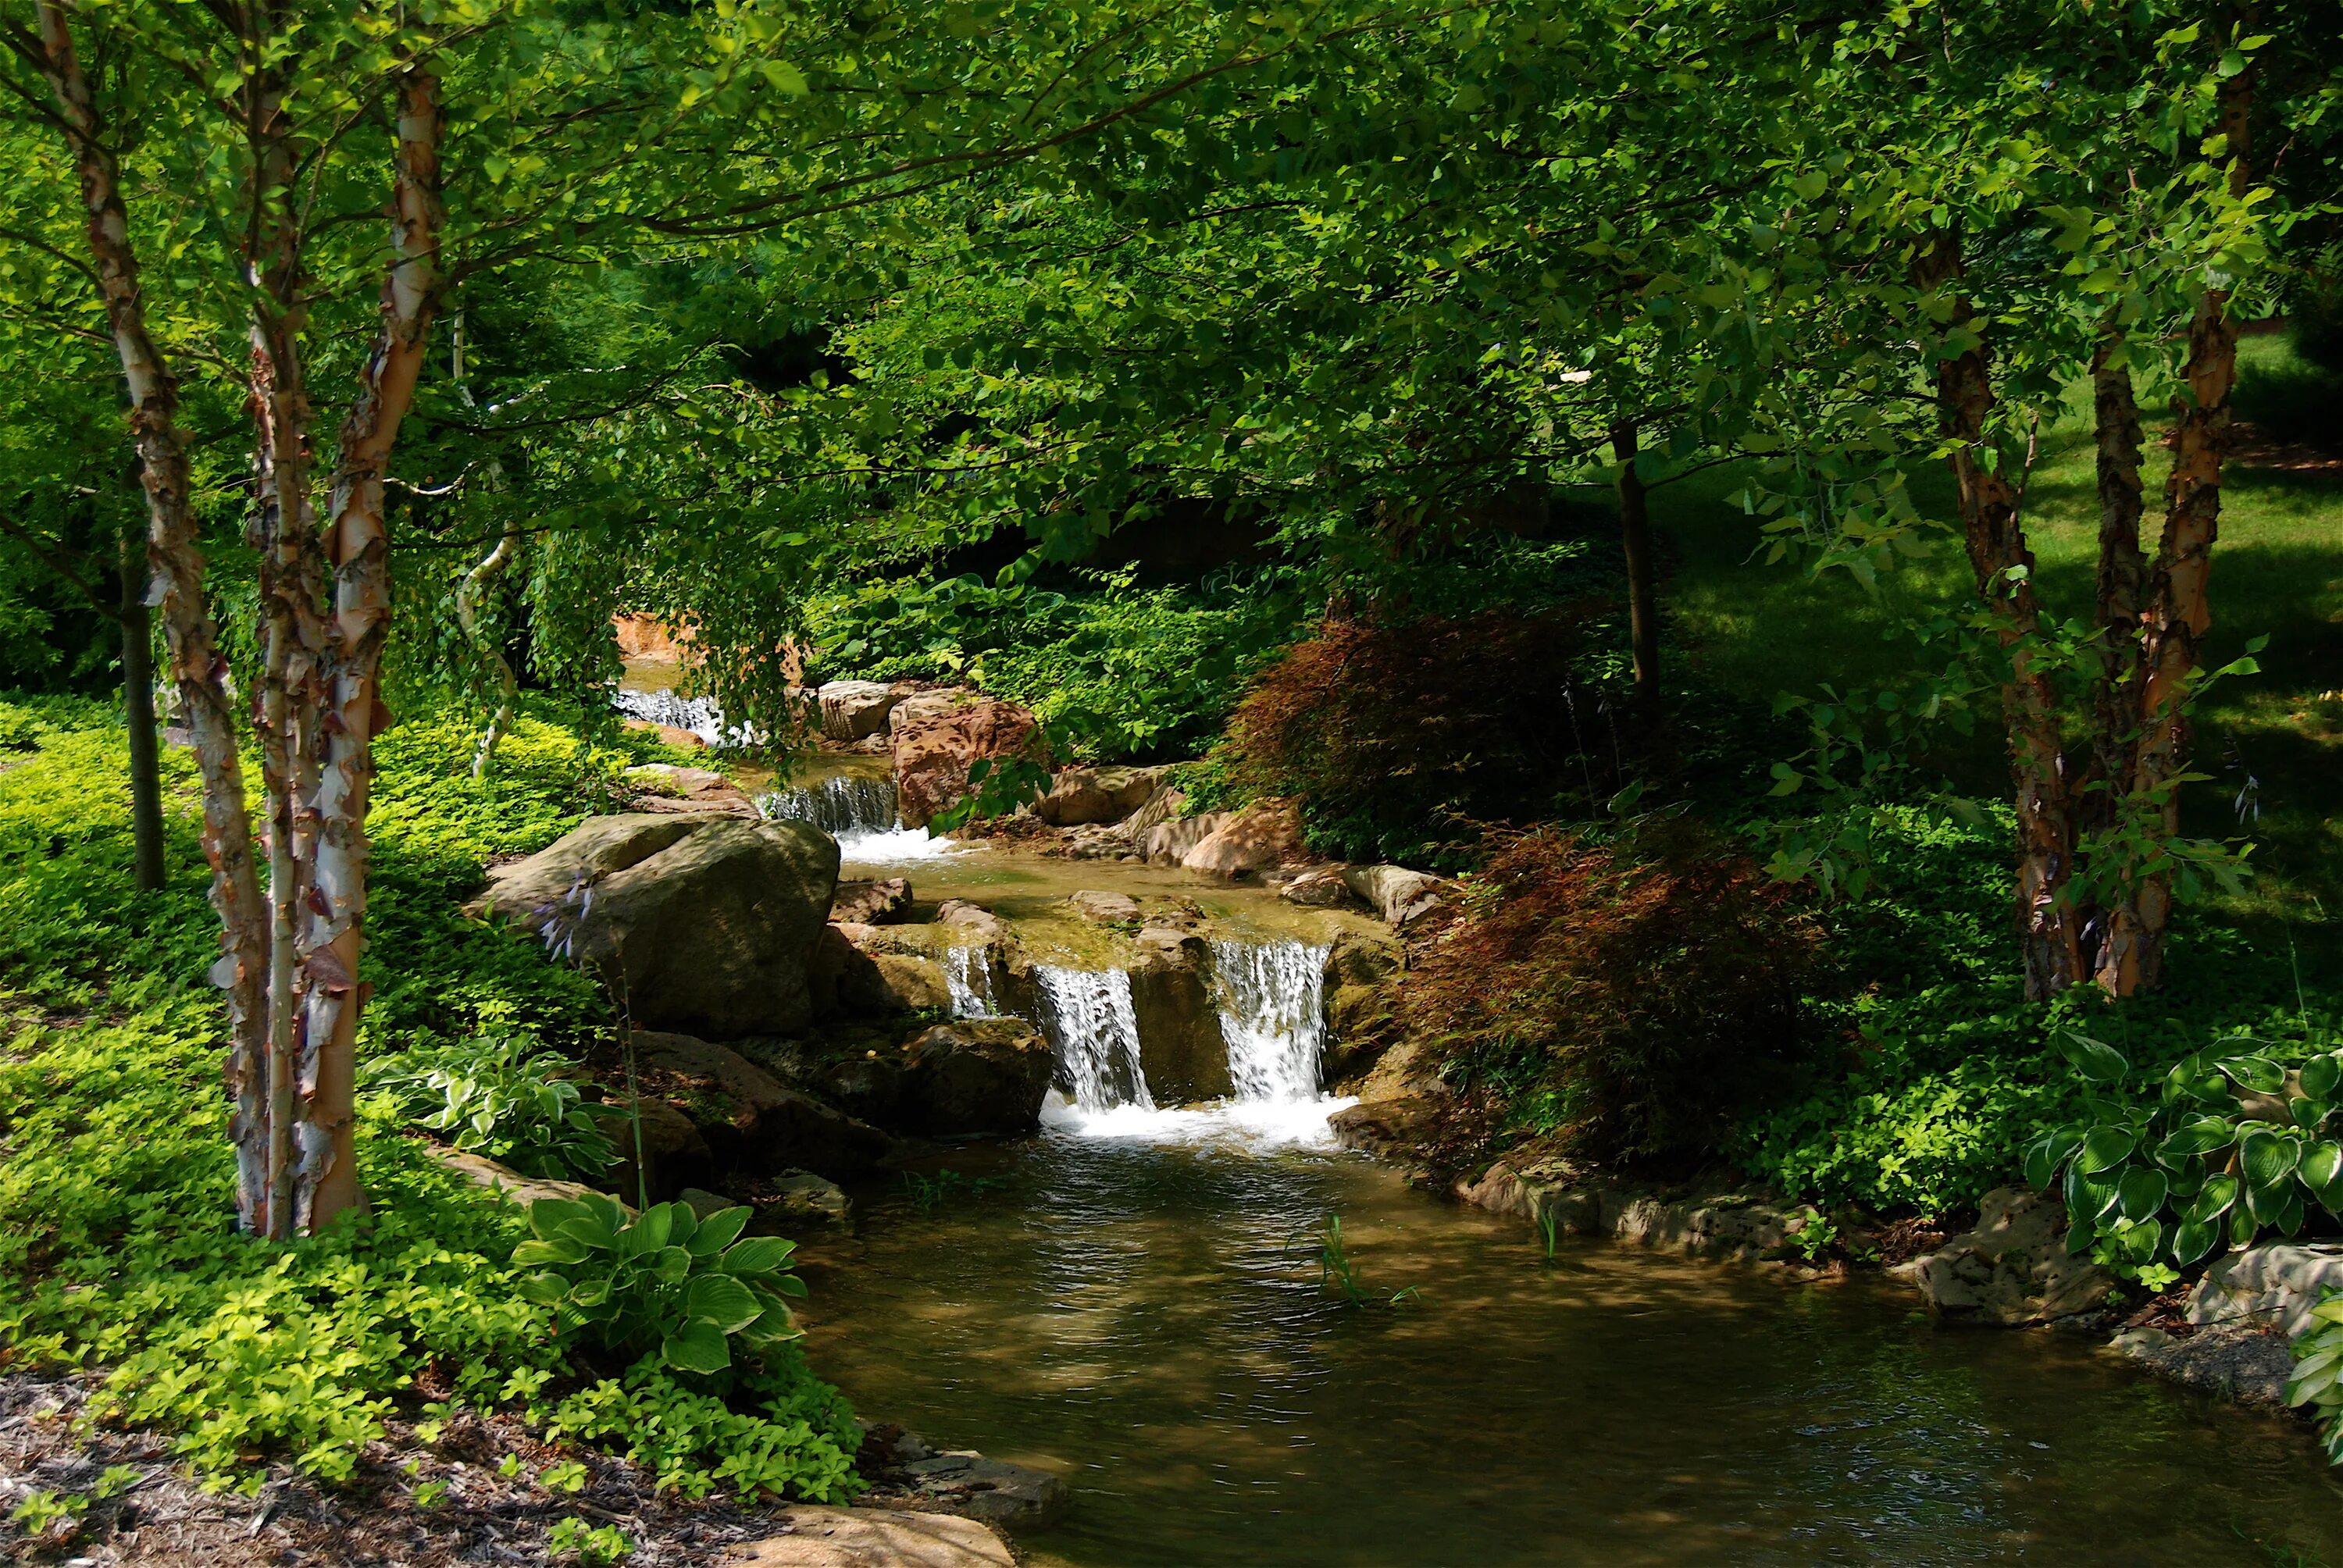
(197, 667)
(2178, 609)
(2049, 926)
(326, 1176)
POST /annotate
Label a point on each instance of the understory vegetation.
(118, 1233)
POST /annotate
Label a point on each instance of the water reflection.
(1148, 1320)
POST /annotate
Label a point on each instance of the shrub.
(1630, 1001)
(666, 1282)
(503, 1098)
(1402, 740)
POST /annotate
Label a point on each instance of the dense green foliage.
(507, 1098)
(118, 1238)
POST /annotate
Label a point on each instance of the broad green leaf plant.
(666, 1282)
(501, 1097)
(2233, 1145)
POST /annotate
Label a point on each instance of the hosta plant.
(2232, 1143)
(499, 1097)
(2318, 1371)
(666, 1282)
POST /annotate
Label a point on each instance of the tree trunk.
(197, 667)
(2049, 926)
(325, 1179)
(2123, 585)
(468, 618)
(2178, 610)
(137, 623)
(1635, 536)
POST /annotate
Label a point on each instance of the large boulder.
(750, 1120)
(2013, 1269)
(711, 921)
(976, 1078)
(669, 788)
(1082, 795)
(1167, 843)
(938, 735)
(2272, 1286)
(862, 981)
(675, 1155)
(852, 710)
(1265, 835)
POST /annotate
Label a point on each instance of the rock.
(1168, 843)
(2013, 1269)
(677, 1154)
(1389, 1127)
(1161, 807)
(870, 1087)
(1721, 1222)
(2274, 1286)
(503, 1180)
(1263, 836)
(752, 1120)
(852, 709)
(678, 789)
(882, 902)
(1183, 1050)
(2245, 1360)
(1085, 795)
(802, 1197)
(976, 1078)
(702, 1202)
(668, 734)
(979, 924)
(855, 976)
(1394, 892)
(712, 921)
(1014, 1496)
(1319, 888)
(821, 1537)
(1105, 908)
(1354, 959)
(936, 737)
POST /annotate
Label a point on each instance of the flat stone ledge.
(1722, 1222)
(819, 1537)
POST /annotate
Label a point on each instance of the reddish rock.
(938, 735)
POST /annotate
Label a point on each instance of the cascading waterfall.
(698, 714)
(1089, 1020)
(1272, 1015)
(846, 804)
(968, 976)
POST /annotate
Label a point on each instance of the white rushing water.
(699, 715)
(1088, 1016)
(858, 812)
(1271, 996)
(968, 976)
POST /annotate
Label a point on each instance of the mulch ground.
(411, 1505)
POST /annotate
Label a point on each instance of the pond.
(1141, 1309)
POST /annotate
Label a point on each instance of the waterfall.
(1088, 1016)
(840, 806)
(1272, 1015)
(968, 974)
(698, 714)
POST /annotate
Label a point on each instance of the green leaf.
(759, 1255)
(2213, 1201)
(650, 1234)
(547, 1216)
(2140, 1192)
(536, 1254)
(2104, 1147)
(2198, 1135)
(719, 1231)
(699, 1348)
(2097, 1060)
(2258, 1073)
(2193, 1241)
(723, 1301)
(2049, 1155)
(2267, 1159)
(2322, 1076)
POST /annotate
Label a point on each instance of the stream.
(1136, 1298)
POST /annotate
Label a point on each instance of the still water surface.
(1144, 1315)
